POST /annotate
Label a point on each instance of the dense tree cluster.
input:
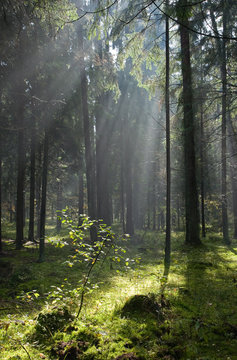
(124, 110)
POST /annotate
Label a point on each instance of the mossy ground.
(198, 302)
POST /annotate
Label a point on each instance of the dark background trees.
(83, 101)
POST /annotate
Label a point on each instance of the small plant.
(106, 247)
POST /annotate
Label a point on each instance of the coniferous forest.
(118, 179)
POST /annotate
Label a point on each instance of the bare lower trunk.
(43, 198)
(191, 193)
(168, 170)
(20, 190)
(32, 184)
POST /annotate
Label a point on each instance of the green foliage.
(55, 14)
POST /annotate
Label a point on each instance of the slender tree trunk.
(81, 189)
(128, 187)
(233, 168)
(32, 184)
(223, 131)
(89, 157)
(59, 205)
(43, 197)
(178, 213)
(0, 197)
(122, 180)
(191, 193)
(168, 170)
(202, 178)
(221, 48)
(104, 210)
(148, 207)
(154, 195)
(20, 186)
(202, 166)
(38, 193)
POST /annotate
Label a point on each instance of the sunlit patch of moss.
(199, 323)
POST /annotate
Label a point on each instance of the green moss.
(198, 303)
(48, 323)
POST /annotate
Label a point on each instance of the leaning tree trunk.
(191, 193)
(43, 197)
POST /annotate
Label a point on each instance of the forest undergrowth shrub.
(108, 248)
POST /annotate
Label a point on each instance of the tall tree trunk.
(38, 193)
(43, 197)
(191, 193)
(223, 131)
(202, 184)
(89, 157)
(122, 177)
(0, 197)
(202, 175)
(233, 169)
(168, 170)
(154, 195)
(81, 188)
(20, 185)
(178, 214)
(32, 183)
(59, 205)
(128, 185)
(148, 207)
(104, 210)
(221, 49)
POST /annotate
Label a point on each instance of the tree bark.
(223, 131)
(0, 197)
(191, 193)
(202, 176)
(168, 170)
(43, 198)
(128, 185)
(32, 183)
(20, 185)
(104, 211)
(89, 157)
(38, 192)
(221, 49)
(59, 205)
(81, 189)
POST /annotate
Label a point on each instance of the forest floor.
(137, 310)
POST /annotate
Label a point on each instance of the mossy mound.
(141, 305)
(50, 322)
(71, 350)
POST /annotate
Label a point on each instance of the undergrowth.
(138, 312)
